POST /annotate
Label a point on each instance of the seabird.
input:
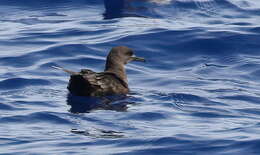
(112, 81)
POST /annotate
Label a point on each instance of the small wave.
(45, 4)
(15, 83)
(6, 107)
(245, 98)
(147, 116)
(51, 52)
(33, 21)
(36, 117)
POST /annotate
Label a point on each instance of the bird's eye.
(130, 53)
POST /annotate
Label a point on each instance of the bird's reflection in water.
(80, 104)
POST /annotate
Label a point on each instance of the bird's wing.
(100, 80)
(106, 83)
(89, 83)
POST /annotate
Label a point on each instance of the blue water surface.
(198, 92)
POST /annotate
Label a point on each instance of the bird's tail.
(65, 70)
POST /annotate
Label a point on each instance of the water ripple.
(198, 92)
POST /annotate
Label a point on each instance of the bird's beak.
(135, 58)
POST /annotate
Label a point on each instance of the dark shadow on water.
(99, 133)
(80, 104)
(120, 8)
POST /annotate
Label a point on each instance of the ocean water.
(198, 92)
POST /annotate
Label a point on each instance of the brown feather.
(96, 84)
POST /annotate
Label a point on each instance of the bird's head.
(122, 55)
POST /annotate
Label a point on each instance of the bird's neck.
(116, 68)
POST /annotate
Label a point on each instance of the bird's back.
(89, 83)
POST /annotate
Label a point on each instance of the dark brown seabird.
(112, 81)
